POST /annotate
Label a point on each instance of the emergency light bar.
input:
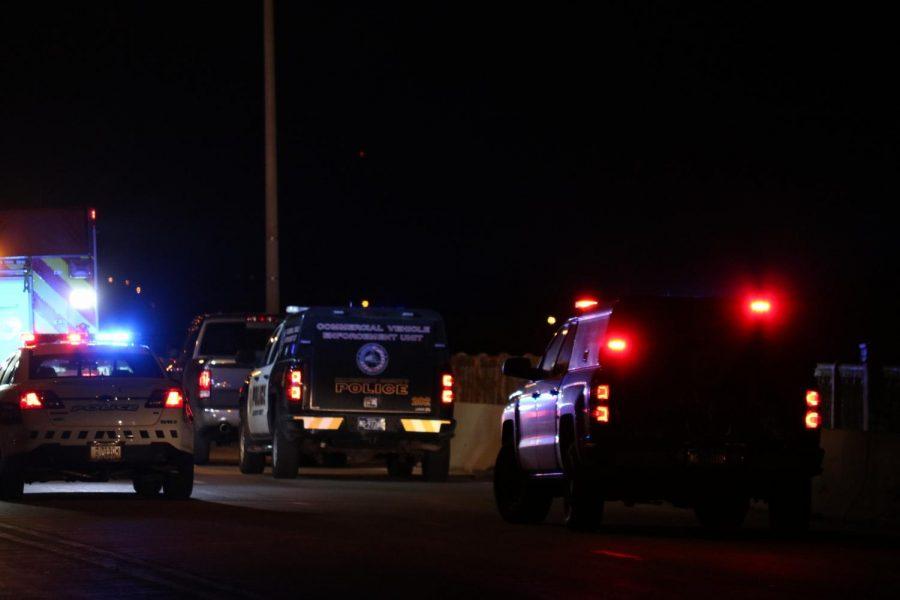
(30, 340)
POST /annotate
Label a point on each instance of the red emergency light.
(760, 306)
(586, 303)
(617, 345)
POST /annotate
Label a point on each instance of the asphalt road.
(337, 533)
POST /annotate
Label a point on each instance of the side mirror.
(520, 366)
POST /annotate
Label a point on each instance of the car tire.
(180, 484)
(147, 487)
(436, 464)
(201, 447)
(12, 484)
(400, 466)
(249, 463)
(285, 455)
(722, 513)
(517, 501)
(790, 506)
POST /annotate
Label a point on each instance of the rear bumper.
(47, 460)
(680, 475)
(214, 418)
(344, 431)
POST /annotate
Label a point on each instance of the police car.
(74, 408)
(357, 384)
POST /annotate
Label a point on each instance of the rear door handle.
(535, 394)
(554, 392)
(265, 376)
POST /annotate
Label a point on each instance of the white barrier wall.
(477, 438)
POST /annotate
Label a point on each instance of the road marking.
(174, 579)
(615, 554)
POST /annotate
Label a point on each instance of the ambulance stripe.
(63, 287)
(46, 319)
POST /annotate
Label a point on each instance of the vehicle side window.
(552, 351)
(565, 351)
(590, 333)
(5, 370)
(9, 373)
(274, 345)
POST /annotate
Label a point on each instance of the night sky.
(490, 162)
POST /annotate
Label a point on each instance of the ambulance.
(48, 273)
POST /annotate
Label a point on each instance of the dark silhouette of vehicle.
(704, 403)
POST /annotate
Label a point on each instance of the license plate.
(370, 423)
(106, 452)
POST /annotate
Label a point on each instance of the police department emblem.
(372, 359)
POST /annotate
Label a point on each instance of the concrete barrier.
(861, 476)
(477, 439)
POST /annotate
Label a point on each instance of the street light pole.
(273, 303)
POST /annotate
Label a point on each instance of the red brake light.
(294, 379)
(174, 399)
(29, 340)
(75, 338)
(204, 383)
(30, 401)
(447, 388)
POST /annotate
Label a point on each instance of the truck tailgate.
(375, 367)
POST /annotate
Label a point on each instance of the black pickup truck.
(704, 403)
(361, 383)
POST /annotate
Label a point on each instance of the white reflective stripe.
(423, 425)
(329, 423)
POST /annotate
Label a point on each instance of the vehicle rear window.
(235, 339)
(94, 364)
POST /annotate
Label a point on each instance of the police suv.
(76, 409)
(705, 403)
(363, 383)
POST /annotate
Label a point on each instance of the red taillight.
(29, 340)
(812, 398)
(447, 388)
(601, 414)
(813, 419)
(174, 399)
(600, 404)
(75, 338)
(294, 380)
(204, 383)
(30, 401)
